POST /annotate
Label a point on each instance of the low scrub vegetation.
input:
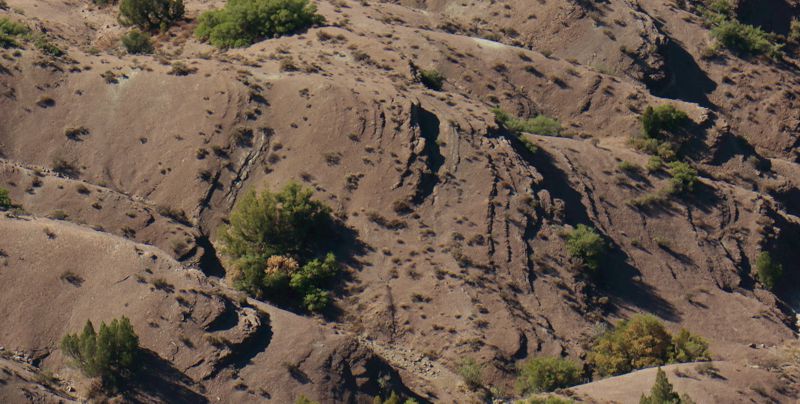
(768, 271)
(273, 242)
(243, 22)
(546, 374)
(585, 244)
(9, 32)
(432, 79)
(642, 342)
(110, 354)
(662, 392)
(150, 14)
(747, 40)
(663, 131)
(539, 125)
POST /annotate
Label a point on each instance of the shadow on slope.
(159, 381)
(686, 81)
(619, 279)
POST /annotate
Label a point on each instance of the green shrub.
(5, 200)
(150, 14)
(662, 392)
(432, 79)
(110, 354)
(662, 120)
(244, 22)
(545, 374)
(9, 30)
(684, 177)
(746, 39)
(769, 272)
(654, 164)
(687, 347)
(643, 342)
(587, 245)
(721, 8)
(470, 372)
(540, 125)
(269, 235)
(137, 42)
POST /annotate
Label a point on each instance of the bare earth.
(477, 270)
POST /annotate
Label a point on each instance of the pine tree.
(662, 392)
(109, 354)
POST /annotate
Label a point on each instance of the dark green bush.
(643, 342)
(9, 31)
(662, 392)
(269, 236)
(110, 354)
(662, 131)
(545, 374)
(137, 42)
(662, 120)
(769, 272)
(587, 245)
(150, 14)
(432, 79)
(244, 22)
(5, 200)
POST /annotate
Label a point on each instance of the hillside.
(453, 226)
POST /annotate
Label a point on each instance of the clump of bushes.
(585, 244)
(272, 243)
(9, 31)
(137, 42)
(432, 79)
(545, 374)
(150, 14)
(662, 392)
(769, 272)
(539, 125)
(110, 354)
(746, 39)
(735, 35)
(244, 22)
(643, 342)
